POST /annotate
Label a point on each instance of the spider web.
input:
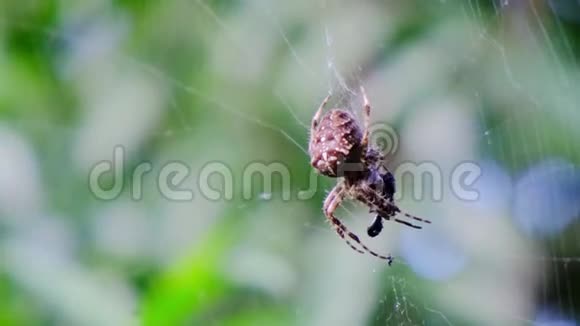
(398, 300)
(447, 274)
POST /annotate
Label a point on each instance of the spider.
(338, 148)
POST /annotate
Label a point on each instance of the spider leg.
(392, 207)
(319, 111)
(388, 216)
(408, 224)
(387, 209)
(366, 117)
(416, 218)
(333, 200)
(330, 205)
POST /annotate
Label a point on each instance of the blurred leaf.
(189, 287)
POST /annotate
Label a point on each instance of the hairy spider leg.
(341, 234)
(318, 113)
(366, 119)
(331, 203)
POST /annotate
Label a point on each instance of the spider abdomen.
(335, 139)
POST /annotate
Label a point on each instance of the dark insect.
(340, 149)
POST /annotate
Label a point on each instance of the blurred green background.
(237, 82)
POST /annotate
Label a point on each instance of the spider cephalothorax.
(339, 148)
